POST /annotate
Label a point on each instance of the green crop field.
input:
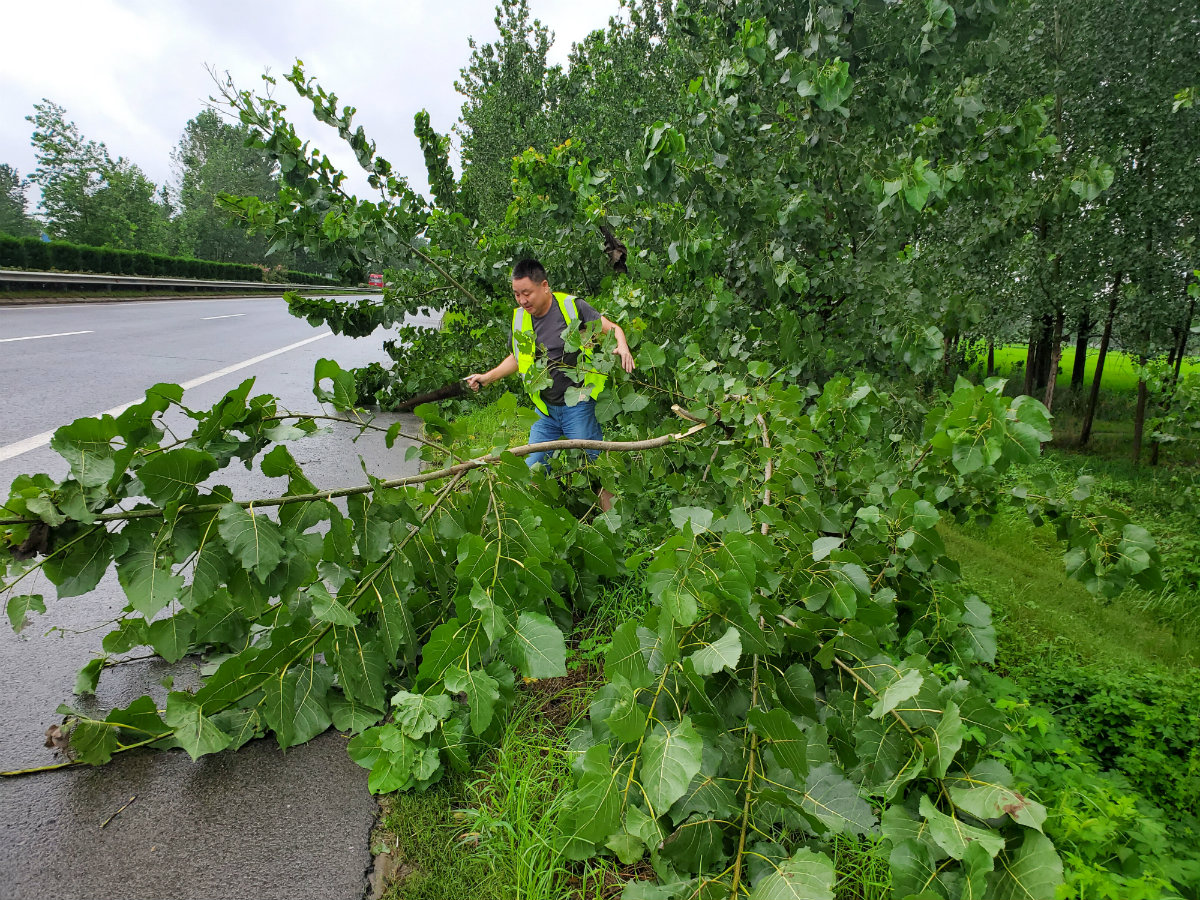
(1120, 369)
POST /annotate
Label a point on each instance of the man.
(539, 327)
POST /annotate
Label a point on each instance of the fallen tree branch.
(424, 477)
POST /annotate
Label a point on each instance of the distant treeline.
(34, 253)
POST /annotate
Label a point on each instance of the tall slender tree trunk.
(1056, 342)
(1089, 412)
(1139, 416)
(1175, 362)
(1083, 333)
(1185, 333)
(991, 359)
(1029, 357)
(1041, 357)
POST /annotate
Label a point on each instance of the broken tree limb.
(424, 477)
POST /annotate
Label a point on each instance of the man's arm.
(607, 325)
(506, 368)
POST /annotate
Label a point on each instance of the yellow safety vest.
(522, 324)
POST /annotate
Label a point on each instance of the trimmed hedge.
(34, 253)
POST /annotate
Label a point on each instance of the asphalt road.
(256, 823)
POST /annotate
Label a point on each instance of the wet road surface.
(257, 823)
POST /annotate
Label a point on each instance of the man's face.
(533, 296)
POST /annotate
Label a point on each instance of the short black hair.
(529, 268)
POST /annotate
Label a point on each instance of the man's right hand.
(475, 381)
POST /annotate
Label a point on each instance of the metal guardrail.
(80, 278)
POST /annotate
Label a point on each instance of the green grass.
(1119, 367)
(1018, 571)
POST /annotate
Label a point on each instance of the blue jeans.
(572, 422)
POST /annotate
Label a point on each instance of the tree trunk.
(1183, 338)
(1044, 352)
(1030, 352)
(1079, 370)
(1089, 413)
(1056, 342)
(1139, 416)
(991, 363)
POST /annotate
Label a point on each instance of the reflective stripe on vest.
(522, 333)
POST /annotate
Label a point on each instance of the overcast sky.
(131, 73)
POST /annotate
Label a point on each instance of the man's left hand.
(626, 357)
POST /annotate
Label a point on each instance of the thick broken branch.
(424, 477)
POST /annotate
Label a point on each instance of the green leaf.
(679, 603)
(193, 730)
(310, 693)
(93, 743)
(328, 608)
(388, 591)
(253, 539)
(696, 846)
(695, 519)
(834, 799)
(947, 738)
(396, 761)
(148, 587)
(20, 607)
(595, 550)
(360, 665)
(419, 714)
(955, 836)
(483, 694)
(1032, 872)
(176, 474)
(905, 686)
(89, 677)
(823, 546)
(130, 632)
(86, 445)
(987, 793)
(139, 720)
(723, 653)
(350, 716)
(807, 875)
(776, 730)
(78, 570)
(627, 717)
(536, 647)
(670, 759)
(593, 810)
(172, 637)
(627, 656)
(342, 393)
(798, 691)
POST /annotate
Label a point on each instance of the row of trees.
(90, 197)
(1091, 241)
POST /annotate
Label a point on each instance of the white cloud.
(132, 72)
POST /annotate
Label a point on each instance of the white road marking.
(230, 316)
(40, 440)
(34, 337)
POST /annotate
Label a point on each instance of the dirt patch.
(562, 700)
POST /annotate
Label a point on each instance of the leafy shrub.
(34, 253)
(1115, 842)
(12, 252)
(1146, 726)
(37, 253)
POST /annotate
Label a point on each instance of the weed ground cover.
(1102, 691)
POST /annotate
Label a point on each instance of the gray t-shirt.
(548, 331)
